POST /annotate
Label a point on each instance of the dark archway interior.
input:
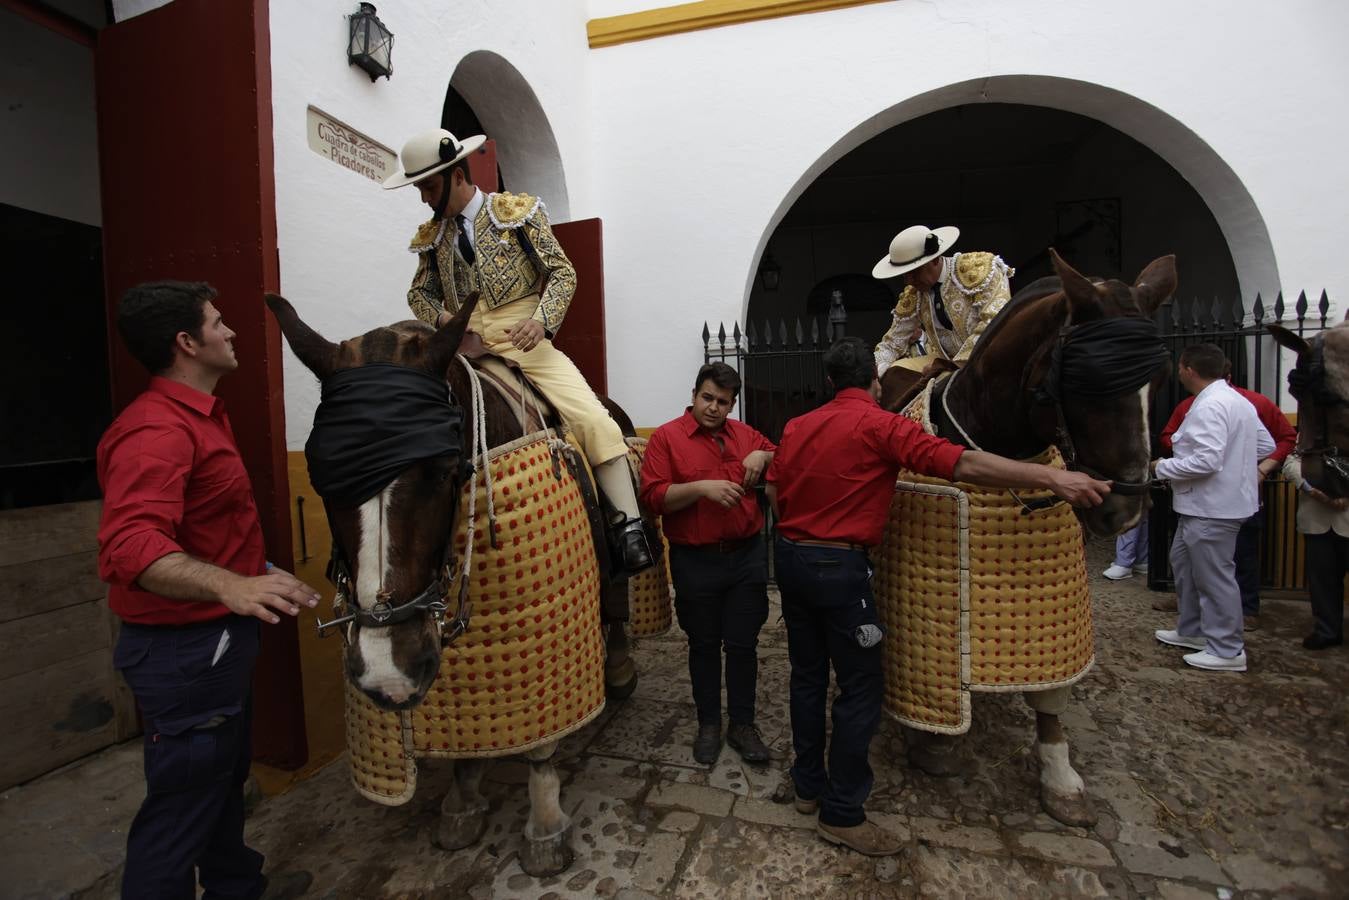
(459, 119)
(1016, 180)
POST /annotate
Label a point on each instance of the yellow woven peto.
(530, 668)
(977, 596)
(651, 611)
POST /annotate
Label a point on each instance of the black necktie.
(940, 309)
(465, 247)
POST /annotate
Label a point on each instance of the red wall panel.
(185, 144)
(582, 333)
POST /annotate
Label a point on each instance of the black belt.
(724, 546)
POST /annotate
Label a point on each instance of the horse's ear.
(445, 342)
(1288, 339)
(1076, 287)
(1155, 284)
(317, 353)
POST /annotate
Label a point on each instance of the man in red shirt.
(1247, 552)
(831, 483)
(698, 475)
(180, 546)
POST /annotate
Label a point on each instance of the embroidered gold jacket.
(974, 288)
(502, 270)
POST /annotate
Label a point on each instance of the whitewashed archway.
(511, 115)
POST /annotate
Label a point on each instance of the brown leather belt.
(841, 545)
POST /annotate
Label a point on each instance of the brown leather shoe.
(1165, 603)
(785, 792)
(1250, 622)
(707, 745)
(745, 740)
(868, 838)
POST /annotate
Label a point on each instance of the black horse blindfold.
(372, 423)
(1106, 358)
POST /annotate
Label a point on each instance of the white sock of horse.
(615, 480)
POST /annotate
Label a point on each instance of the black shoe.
(1320, 642)
(707, 745)
(285, 885)
(634, 552)
(745, 740)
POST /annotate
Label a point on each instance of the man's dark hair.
(462, 166)
(720, 374)
(850, 363)
(1207, 360)
(151, 316)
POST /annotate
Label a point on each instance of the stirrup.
(630, 548)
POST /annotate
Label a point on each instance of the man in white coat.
(1324, 523)
(1215, 486)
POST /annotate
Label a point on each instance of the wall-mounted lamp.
(770, 273)
(371, 44)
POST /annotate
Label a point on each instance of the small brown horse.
(1321, 385)
(395, 549)
(1074, 364)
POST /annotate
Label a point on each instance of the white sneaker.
(1176, 639)
(1205, 660)
(1116, 573)
(1141, 568)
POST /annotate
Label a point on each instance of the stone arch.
(1219, 187)
(511, 114)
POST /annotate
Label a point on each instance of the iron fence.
(781, 367)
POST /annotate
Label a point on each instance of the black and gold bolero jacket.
(516, 256)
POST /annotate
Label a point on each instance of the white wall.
(343, 240)
(692, 147)
(49, 135)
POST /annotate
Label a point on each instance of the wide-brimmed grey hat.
(430, 152)
(914, 246)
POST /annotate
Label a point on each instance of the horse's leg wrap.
(1062, 792)
(934, 754)
(547, 845)
(463, 812)
(620, 673)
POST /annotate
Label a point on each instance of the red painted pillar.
(185, 145)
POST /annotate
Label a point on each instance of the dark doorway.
(1016, 180)
(459, 119)
(53, 359)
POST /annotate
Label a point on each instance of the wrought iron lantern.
(371, 44)
(770, 273)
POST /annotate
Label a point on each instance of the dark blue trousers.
(1247, 558)
(826, 597)
(722, 602)
(197, 717)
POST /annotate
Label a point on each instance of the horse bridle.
(382, 613)
(1062, 439)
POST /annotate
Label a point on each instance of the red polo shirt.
(836, 466)
(681, 451)
(173, 481)
(1283, 432)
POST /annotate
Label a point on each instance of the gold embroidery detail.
(428, 236)
(973, 268)
(907, 304)
(511, 210)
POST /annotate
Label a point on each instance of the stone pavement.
(1207, 785)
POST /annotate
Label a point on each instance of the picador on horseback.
(501, 245)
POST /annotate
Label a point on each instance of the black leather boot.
(707, 745)
(632, 551)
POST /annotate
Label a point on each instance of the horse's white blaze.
(1144, 436)
(1056, 774)
(375, 645)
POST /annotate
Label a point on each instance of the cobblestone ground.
(1207, 784)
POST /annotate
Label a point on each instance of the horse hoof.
(546, 856)
(1070, 809)
(938, 763)
(620, 681)
(462, 828)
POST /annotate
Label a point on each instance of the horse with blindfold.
(390, 453)
(1069, 363)
(1320, 384)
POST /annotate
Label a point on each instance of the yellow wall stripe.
(653, 23)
